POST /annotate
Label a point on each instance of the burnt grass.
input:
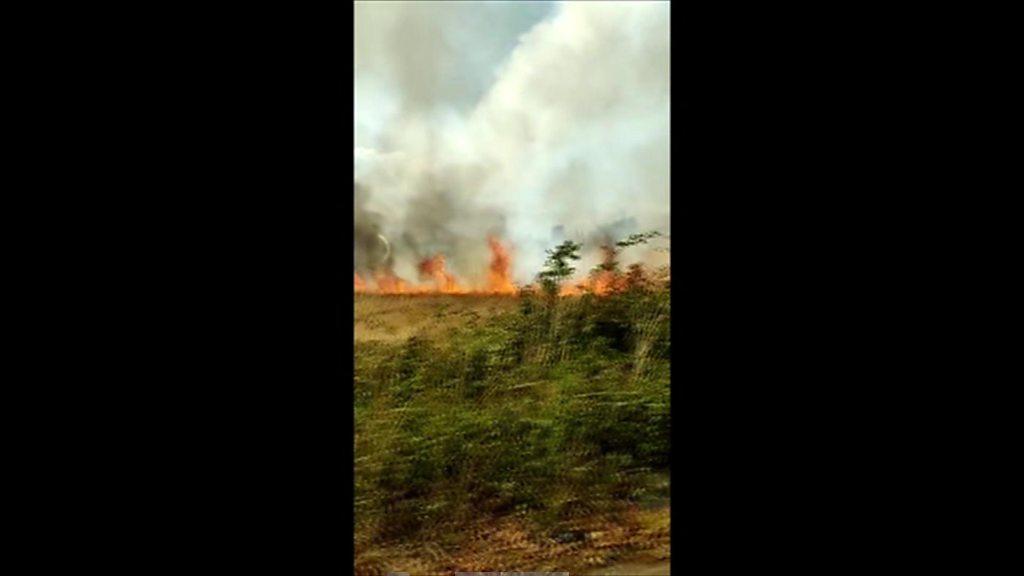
(549, 418)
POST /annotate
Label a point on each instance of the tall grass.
(554, 410)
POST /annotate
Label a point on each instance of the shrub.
(539, 411)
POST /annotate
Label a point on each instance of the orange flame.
(572, 289)
(601, 284)
(498, 281)
(434, 269)
(436, 279)
(607, 279)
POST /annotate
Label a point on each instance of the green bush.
(562, 404)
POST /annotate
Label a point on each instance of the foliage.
(557, 266)
(634, 239)
(536, 412)
(540, 414)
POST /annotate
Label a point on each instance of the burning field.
(511, 281)
(505, 426)
(434, 278)
(511, 433)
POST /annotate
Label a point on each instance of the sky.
(529, 121)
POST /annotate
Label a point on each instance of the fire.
(498, 280)
(603, 280)
(572, 289)
(606, 282)
(601, 284)
(434, 269)
(388, 283)
(434, 278)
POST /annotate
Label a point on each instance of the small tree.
(557, 267)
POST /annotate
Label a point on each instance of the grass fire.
(520, 422)
(435, 278)
(512, 346)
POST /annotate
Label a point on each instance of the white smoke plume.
(531, 122)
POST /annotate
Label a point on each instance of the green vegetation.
(557, 268)
(497, 433)
(549, 411)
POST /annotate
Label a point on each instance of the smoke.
(522, 121)
(372, 250)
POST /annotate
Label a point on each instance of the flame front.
(434, 278)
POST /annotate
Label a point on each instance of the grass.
(390, 317)
(540, 424)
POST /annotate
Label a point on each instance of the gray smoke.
(521, 120)
(371, 249)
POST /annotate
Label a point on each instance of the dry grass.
(389, 318)
(512, 544)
